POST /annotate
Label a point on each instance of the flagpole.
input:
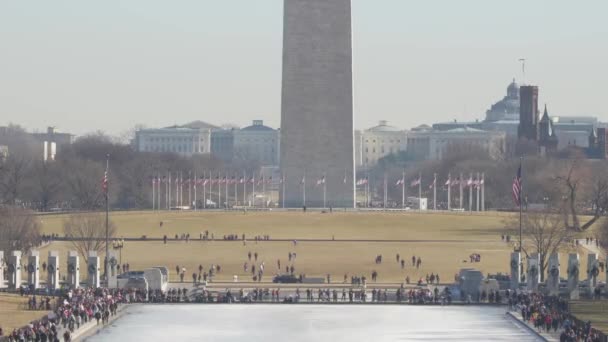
(521, 197)
(449, 191)
(419, 191)
(304, 189)
(236, 190)
(460, 187)
(244, 188)
(107, 190)
(283, 190)
(324, 192)
(403, 189)
(385, 190)
(470, 192)
(483, 192)
(264, 191)
(153, 193)
(253, 190)
(478, 186)
(435, 192)
(158, 182)
(226, 186)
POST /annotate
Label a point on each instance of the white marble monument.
(515, 270)
(573, 275)
(317, 122)
(533, 272)
(14, 270)
(33, 269)
(52, 271)
(593, 270)
(73, 270)
(553, 275)
(93, 270)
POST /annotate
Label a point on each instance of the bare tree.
(14, 171)
(19, 229)
(87, 232)
(47, 183)
(572, 180)
(84, 181)
(544, 233)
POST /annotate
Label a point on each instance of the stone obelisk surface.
(317, 137)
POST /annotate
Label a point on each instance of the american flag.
(415, 182)
(517, 187)
(400, 182)
(433, 184)
(321, 181)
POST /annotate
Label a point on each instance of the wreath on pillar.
(514, 264)
(554, 271)
(31, 268)
(71, 268)
(92, 268)
(11, 268)
(594, 271)
(50, 268)
(113, 261)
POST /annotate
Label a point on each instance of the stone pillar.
(73, 270)
(93, 270)
(593, 270)
(573, 274)
(515, 270)
(533, 274)
(33, 269)
(52, 271)
(2, 267)
(113, 271)
(14, 270)
(553, 275)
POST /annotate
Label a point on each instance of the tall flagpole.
(403, 189)
(385, 190)
(169, 204)
(264, 190)
(478, 186)
(219, 190)
(190, 189)
(470, 192)
(449, 191)
(195, 182)
(461, 197)
(158, 186)
(204, 206)
(521, 199)
(153, 193)
(107, 191)
(236, 191)
(324, 192)
(435, 191)
(483, 191)
(253, 191)
(304, 190)
(226, 186)
(244, 188)
(419, 192)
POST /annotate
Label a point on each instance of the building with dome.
(257, 143)
(377, 142)
(508, 108)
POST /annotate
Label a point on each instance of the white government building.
(430, 144)
(378, 142)
(257, 143)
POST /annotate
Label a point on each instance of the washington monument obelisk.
(317, 157)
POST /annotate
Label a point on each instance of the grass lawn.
(13, 313)
(594, 311)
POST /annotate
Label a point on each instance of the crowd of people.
(551, 314)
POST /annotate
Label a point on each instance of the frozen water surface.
(333, 323)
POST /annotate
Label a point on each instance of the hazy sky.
(112, 64)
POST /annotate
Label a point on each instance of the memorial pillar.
(14, 270)
(593, 270)
(553, 275)
(573, 274)
(93, 270)
(33, 270)
(73, 270)
(515, 270)
(533, 275)
(52, 271)
(113, 271)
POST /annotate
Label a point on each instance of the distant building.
(434, 144)
(222, 143)
(53, 135)
(528, 113)
(187, 140)
(507, 108)
(378, 142)
(547, 137)
(257, 143)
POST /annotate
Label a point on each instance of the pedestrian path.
(551, 337)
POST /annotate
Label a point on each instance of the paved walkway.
(551, 337)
